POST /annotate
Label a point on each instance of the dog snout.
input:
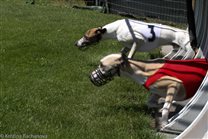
(75, 44)
(78, 44)
(81, 43)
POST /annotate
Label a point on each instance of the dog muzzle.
(99, 78)
(84, 41)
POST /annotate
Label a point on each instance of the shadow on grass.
(84, 48)
(131, 108)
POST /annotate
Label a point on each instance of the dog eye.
(86, 38)
(101, 65)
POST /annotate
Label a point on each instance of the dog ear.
(124, 59)
(101, 30)
(123, 56)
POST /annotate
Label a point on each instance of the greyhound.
(145, 36)
(171, 79)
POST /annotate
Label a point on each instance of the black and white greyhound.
(141, 35)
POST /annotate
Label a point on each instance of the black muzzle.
(99, 78)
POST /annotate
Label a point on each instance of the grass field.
(45, 89)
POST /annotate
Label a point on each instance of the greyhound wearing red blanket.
(173, 79)
(143, 36)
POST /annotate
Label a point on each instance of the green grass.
(44, 82)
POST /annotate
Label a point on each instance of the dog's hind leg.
(171, 91)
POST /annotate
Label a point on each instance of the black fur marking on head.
(101, 30)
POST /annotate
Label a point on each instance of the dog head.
(91, 36)
(108, 68)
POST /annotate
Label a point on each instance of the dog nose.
(79, 44)
(76, 43)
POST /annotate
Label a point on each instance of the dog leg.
(125, 50)
(133, 50)
(171, 91)
(154, 107)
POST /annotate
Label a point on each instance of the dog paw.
(163, 124)
(160, 124)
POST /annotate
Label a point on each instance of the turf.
(45, 89)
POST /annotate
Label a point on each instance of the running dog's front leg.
(125, 50)
(171, 91)
(129, 48)
(133, 50)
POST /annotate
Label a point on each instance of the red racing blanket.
(190, 72)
